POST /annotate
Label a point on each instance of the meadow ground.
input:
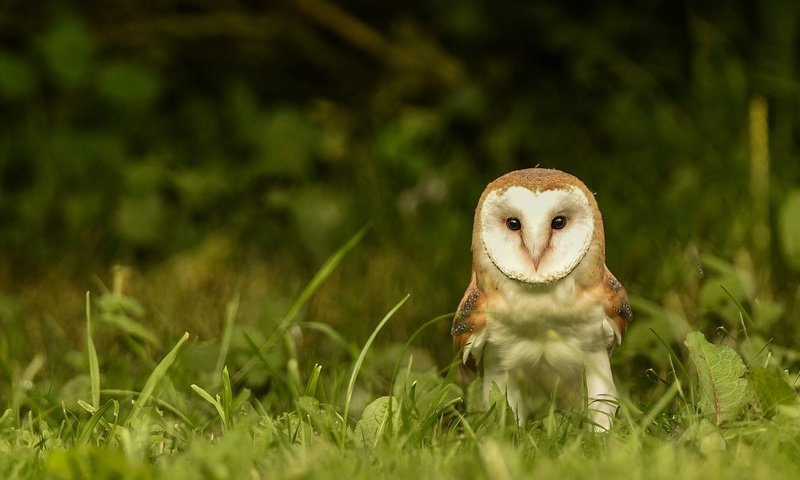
(271, 402)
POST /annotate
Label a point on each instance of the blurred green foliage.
(270, 132)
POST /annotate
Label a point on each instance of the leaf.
(382, 415)
(789, 229)
(723, 388)
(770, 389)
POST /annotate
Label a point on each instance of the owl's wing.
(468, 324)
(617, 307)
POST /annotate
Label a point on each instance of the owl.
(542, 312)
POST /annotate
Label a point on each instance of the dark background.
(230, 147)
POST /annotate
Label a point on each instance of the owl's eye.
(513, 223)
(559, 222)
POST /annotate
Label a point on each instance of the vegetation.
(249, 193)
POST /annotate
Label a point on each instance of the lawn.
(381, 408)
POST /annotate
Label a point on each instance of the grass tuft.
(91, 352)
(357, 367)
(152, 381)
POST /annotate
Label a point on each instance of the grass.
(374, 410)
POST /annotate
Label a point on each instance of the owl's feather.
(469, 318)
(617, 306)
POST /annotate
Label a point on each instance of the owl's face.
(536, 236)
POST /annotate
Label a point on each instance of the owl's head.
(537, 225)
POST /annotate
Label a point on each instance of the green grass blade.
(292, 364)
(112, 392)
(331, 333)
(231, 310)
(213, 401)
(94, 364)
(739, 306)
(357, 367)
(661, 404)
(410, 342)
(672, 353)
(97, 417)
(130, 327)
(319, 278)
(7, 418)
(311, 387)
(261, 355)
(227, 398)
(158, 373)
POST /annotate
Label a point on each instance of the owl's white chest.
(540, 342)
(552, 328)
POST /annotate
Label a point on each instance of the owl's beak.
(539, 249)
(536, 260)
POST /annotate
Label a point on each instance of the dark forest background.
(228, 148)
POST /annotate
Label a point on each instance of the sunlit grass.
(379, 410)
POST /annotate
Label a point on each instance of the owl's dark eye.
(559, 222)
(513, 223)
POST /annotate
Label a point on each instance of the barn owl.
(542, 312)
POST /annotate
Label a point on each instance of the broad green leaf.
(770, 389)
(723, 388)
(382, 415)
(789, 229)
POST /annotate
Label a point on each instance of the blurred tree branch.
(416, 55)
(220, 24)
(358, 34)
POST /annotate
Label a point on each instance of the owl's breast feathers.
(471, 315)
